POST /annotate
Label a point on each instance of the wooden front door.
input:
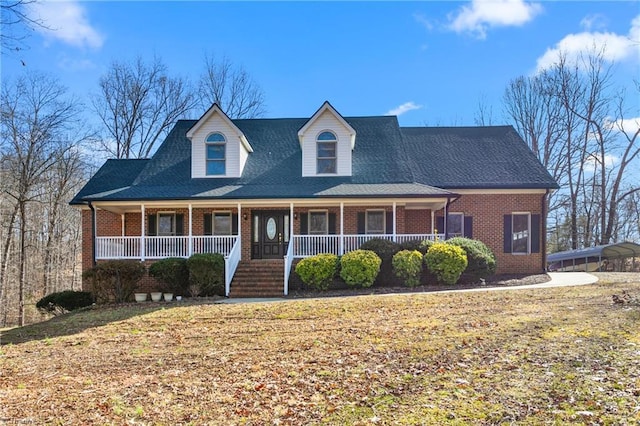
(271, 234)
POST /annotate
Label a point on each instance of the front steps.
(258, 278)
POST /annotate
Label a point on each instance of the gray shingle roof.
(387, 161)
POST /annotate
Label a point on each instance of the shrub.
(172, 274)
(359, 268)
(318, 271)
(407, 265)
(64, 301)
(481, 260)
(385, 249)
(206, 274)
(115, 280)
(425, 245)
(446, 262)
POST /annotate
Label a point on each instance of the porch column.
(190, 230)
(433, 220)
(394, 222)
(142, 242)
(341, 228)
(240, 228)
(291, 224)
(122, 223)
(446, 216)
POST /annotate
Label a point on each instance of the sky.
(429, 63)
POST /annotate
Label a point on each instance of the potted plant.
(156, 296)
(141, 297)
(168, 297)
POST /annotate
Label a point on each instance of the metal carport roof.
(606, 251)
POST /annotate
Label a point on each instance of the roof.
(387, 161)
(607, 251)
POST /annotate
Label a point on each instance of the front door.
(271, 234)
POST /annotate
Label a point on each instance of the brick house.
(264, 192)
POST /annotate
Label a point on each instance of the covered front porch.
(258, 230)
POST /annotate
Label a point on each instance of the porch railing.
(230, 264)
(161, 247)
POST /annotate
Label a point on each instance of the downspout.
(543, 227)
(93, 234)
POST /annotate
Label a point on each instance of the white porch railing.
(309, 245)
(230, 264)
(161, 247)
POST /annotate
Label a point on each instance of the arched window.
(216, 154)
(327, 155)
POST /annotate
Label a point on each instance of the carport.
(608, 257)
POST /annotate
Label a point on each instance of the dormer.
(219, 149)
(327, 142)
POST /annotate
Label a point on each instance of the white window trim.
(326, 217)
(384, 222)
(213, 221)
(173, 223)
(206, 158)
(461, 222)
(528, 252)
(327, 158)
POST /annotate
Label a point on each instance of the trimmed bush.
(385, 249)
(115, 280)
(318, 271)
(407, 265)
(359, 268)
(481, 260)
(64, 301)
(425, 246)
(172, 275)
(206, 274)
(446, 262)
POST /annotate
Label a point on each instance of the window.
(318, 223)
(375, 222)
(520, 232)
(455, 224)
(222, 223)
(326, 143)
(216, 145)
(166, 224)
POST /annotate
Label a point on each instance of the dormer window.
(216, 145)
(326, 148)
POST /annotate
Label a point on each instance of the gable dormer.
(327, 142)
(218, 147)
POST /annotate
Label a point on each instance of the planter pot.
(168, 297)
(178, 298)
(156, 296)
(141, 297)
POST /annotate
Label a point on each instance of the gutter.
(543, 227)
(93, 233)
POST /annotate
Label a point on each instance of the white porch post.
(341, 228)
(122, 223)
(446, 214)
(394, 221)
(190, 230)
(433, 220)
(291, 223)
(142, 243)
(239, 226)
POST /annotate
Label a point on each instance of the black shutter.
(152, 225)
(361, 223)
(304, 223)
(507, 233)
(332, 223)
(180, 224)
(208, 224)
(535, 233)
(468, 226)
(389, 223)
(234, 224)
(440, 225)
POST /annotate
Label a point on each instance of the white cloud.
(66, 21)
(591, 22)
(405, 107)
(482, 15)
(424, 21)
(629, 125)
(615, 47)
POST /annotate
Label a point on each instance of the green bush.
(407, 265)
(172, 275)
(425, 245)
(64, 301)
(359, 268)
(115, 280)
(446, 262)
(318, 271)
(385, 249)
(481, 260)
(206, 274)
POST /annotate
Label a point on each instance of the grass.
(548, 356)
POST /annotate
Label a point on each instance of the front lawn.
(567, 355)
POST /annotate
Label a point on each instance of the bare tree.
(16, 24)
(138, 103)
(231, 87)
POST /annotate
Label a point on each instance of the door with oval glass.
(270, 234)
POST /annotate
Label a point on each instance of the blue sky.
(428, 62)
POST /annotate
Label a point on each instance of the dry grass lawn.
(550, 356)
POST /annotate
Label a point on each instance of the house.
(264, 192)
